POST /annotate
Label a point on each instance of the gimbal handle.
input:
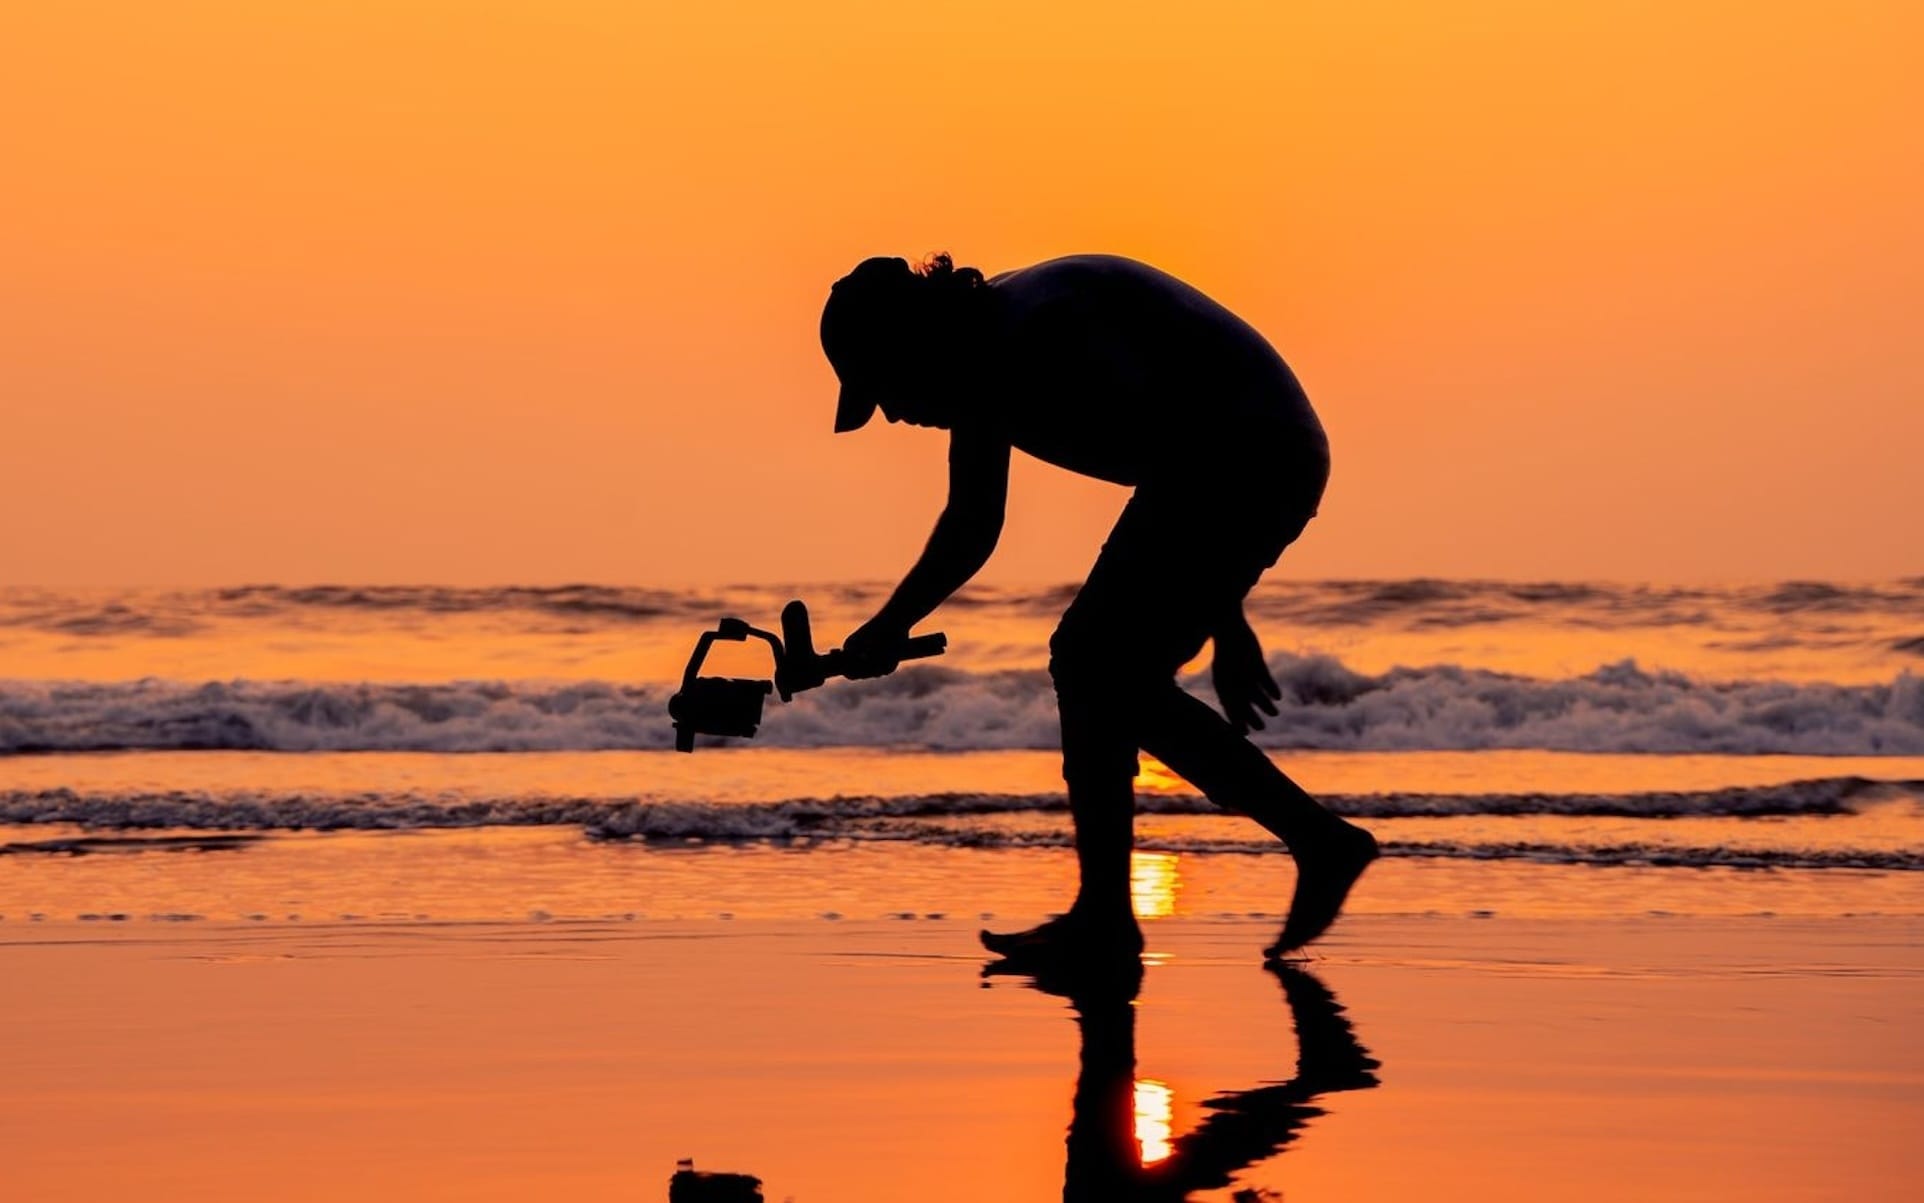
(799, 666)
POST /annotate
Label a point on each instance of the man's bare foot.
(1078, 936)
(1326, 867)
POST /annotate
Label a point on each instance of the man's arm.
(961, 543)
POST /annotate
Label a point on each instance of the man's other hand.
(874, 649)
(1242, 677)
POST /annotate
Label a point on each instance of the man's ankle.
(1103, 908)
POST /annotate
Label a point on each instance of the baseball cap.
(862, 325)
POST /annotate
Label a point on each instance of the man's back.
(1117, 370)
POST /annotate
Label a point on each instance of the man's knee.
(1071, 653)
(1118, 666)
(1096, 699)
(1085, 660)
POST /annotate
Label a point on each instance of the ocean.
(440, 753)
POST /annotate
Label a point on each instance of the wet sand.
(1714, 1058)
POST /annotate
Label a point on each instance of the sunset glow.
(409, 292)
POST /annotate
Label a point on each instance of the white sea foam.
(1325, 705)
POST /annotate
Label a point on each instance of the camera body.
(719, 706)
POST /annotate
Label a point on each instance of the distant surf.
(1337, 603)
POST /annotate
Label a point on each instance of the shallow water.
(493, 874)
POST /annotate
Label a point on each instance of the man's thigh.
(1175, 564)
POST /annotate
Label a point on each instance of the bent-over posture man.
(1110, 368)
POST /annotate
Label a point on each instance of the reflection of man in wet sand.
(1106, 1164)
(1112, 369)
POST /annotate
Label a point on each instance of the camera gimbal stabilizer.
(733, 705)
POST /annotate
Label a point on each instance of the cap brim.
(853, 409)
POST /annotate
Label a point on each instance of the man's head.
(893, 334)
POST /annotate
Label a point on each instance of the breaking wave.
(1325, 705)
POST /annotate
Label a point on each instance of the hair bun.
(939, 269)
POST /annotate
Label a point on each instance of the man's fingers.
(865, 668)
(1239, 712)
(1265, 705)
(1234, 711)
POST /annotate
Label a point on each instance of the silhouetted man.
(1110, 368)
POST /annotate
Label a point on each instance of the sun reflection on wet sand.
(1154, 882)
(1153, 1113)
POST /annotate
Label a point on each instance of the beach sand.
(1578, 1058)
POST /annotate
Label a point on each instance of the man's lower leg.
(1103, 811)
(1330, 853)
(1101, 924)
(1204, 749)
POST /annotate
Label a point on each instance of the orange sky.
(410, 291)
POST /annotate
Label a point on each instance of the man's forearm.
(1230, 620)
(956, 551)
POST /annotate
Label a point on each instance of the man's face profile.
(916, 406)
(884, 360)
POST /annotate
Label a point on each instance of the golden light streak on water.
(1154, 882)
(1155, 777)
(1153, 1112)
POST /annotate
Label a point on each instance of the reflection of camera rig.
(690, 1185)
(733, 705)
